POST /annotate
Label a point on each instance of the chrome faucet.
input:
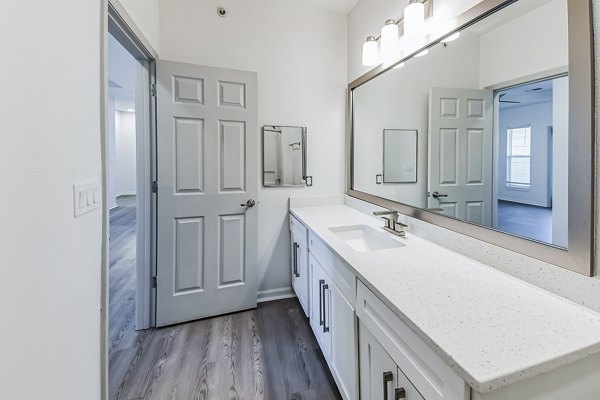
(391, 223)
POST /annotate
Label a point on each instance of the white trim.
(127, 194)
(275, 294)
(524, 202)
(105, 258)
(143, 133)
(134, 28)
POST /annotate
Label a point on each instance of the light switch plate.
(86, 197)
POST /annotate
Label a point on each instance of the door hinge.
(154, 282)
(153, 89)
(154, 187)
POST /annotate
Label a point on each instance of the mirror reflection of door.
(284, 155)
(460, 153)
(272, 159)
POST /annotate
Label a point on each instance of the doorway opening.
(122, 192)
(129, 170)
(531, 173)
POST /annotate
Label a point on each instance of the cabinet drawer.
(334, 267)
(295, 224)
(431, 376)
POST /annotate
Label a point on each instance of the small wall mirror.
(284, 155)
(399, 156)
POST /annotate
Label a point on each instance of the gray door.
(207, 155)
(460, 153)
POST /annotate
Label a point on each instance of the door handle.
(325, 327)
(437, 195)
(250, 203)
(399, 394)
(321, 283)
(387, 377)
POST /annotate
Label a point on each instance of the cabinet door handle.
(297, 267)
(325, 327)
(295, 259)
(321, 283)
(399, 394)
(387, 377)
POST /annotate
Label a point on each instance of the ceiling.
(121, 75)
(529, 94)
(343, 6)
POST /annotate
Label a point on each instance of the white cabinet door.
(344, 346)
(320, 315)
(299, 251)
(380, 377)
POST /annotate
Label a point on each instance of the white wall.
(367, 18)
(125, 153)
(503, 62)
(145, 15)
(299, 53)
(539, 117)
(50, 261)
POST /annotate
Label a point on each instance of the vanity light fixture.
(423, 53)
(389, 40)
(369, 54)
(414, 29)
(451, 38)
(414, 19)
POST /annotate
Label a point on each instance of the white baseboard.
(275, 294)
(127, 193)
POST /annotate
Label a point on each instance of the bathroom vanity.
(403, 318)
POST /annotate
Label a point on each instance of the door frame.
(117, 22)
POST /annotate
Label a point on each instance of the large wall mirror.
(501, 109)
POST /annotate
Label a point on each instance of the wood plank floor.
(122, 275)
(266, 353)
(525, 220)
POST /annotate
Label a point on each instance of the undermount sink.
(365, 238)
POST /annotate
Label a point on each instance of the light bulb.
(369, 53)
(423, 53)
(389, 41)
(414, 19)
(452, 37)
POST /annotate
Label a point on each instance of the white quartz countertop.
(493, 329)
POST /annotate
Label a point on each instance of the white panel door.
(207, 174)
(460, 153)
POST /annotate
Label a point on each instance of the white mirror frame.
(579, 257)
